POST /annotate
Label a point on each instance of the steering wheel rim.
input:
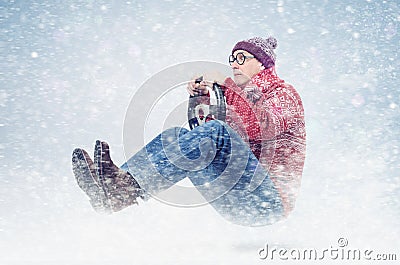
(199, 113)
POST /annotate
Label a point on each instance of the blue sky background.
(70, 68)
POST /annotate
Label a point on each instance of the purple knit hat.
(262, 49)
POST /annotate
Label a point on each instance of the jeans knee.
(215, 124)
(174, 132)
(179, 131)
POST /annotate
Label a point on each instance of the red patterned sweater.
(269, 115)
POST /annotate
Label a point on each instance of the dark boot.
(85, 174)
(121, 188)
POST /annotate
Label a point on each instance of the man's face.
(242, 74)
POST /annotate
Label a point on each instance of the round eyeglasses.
(240, 58)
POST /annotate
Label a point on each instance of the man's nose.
(235, 65)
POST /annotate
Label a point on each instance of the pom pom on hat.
(262, 49)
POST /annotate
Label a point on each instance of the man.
(250, 167)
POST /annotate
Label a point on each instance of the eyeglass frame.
(235, 58)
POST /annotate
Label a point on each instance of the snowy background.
(70, 68)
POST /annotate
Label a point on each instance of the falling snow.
(69, 69)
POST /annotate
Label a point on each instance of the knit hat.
(262, 49)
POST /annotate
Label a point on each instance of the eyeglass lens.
(240, 58)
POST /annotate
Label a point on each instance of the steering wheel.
(199, 113)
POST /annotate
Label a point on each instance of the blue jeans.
(220, 165)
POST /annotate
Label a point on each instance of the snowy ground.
(55, 232)
(71, 68)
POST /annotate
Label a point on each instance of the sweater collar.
(263, 82)
(266, 80)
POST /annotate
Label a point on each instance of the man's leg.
(219, 164)
(238, 186)
(151, 166)
(201, 154)
(110, 188)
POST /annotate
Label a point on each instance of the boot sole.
(98, 151)
(87, 182)
(122, 198)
